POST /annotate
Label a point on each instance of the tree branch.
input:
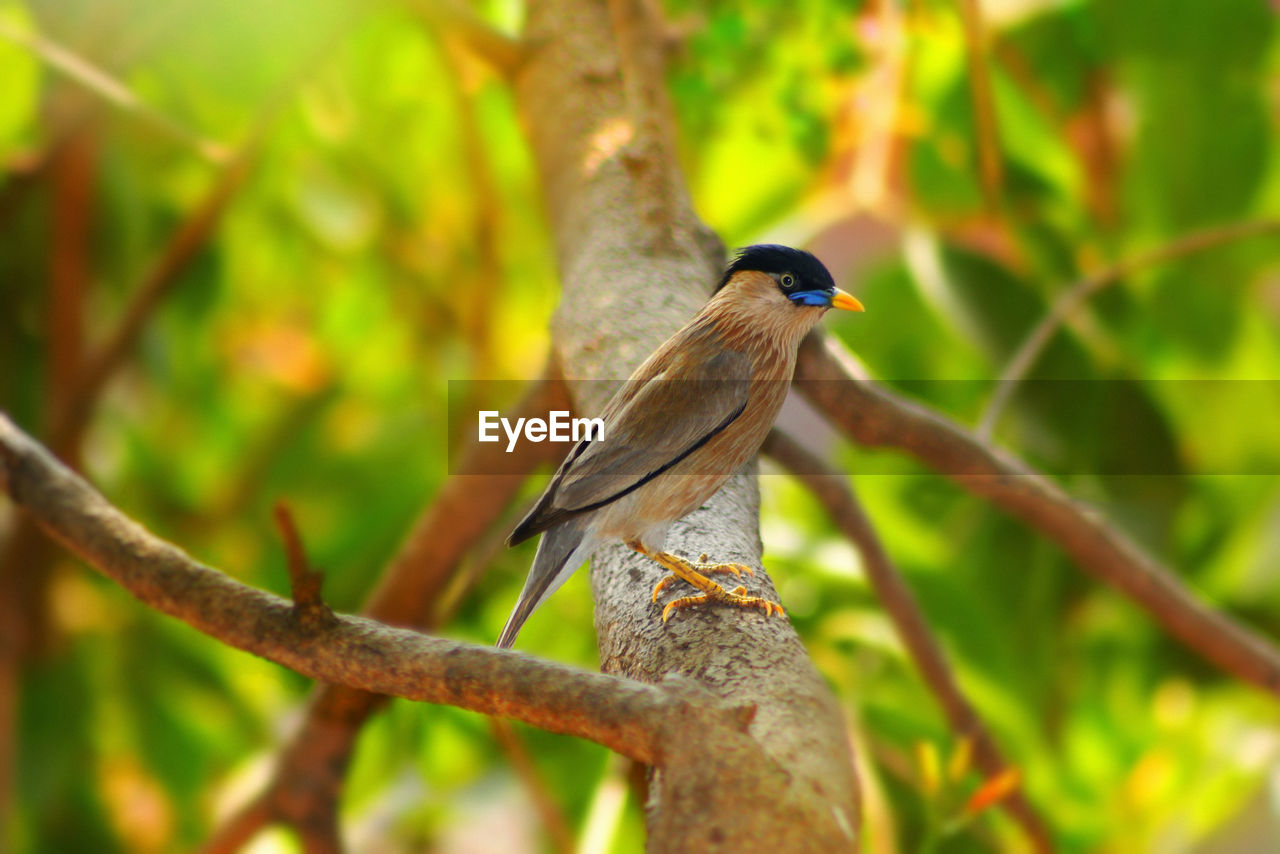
(699, 742)
(876, 417)
(1074, 296)
(792, 787)
(832, 490)
(629, 717)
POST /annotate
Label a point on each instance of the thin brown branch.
(73, 179)
(873, 416)
(629, 717)
(26, 557)
(504, 53)
(69, 107)
(976, 53)
(701, 742)
(1075, 295)
(832, 490)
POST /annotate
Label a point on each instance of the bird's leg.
(711, 592)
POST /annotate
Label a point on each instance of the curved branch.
(699, 741)
(1074, 296)
(626, 716)
(876, 417)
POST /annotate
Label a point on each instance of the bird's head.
(780, 287)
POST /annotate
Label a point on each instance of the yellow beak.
(846, 301)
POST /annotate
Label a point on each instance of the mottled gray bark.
(635, 265)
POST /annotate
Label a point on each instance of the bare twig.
(102, 84)
(832, 489)
(875, 417)
(304, 582)
(984, 109)
(72, 408)
(1075, 295)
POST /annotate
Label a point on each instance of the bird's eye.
(788, 280)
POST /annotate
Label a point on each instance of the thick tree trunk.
(635, 264)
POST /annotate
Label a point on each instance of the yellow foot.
(736, 597)
(736, 569)
(691, 573)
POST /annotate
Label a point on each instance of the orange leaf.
(993, 790)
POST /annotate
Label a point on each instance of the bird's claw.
(738, 597)
(707, 568)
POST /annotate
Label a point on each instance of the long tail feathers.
(561, 551)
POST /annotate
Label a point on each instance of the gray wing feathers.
(651, 425)
(560, 552)
(664, 421)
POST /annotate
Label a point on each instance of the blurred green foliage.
(391, 238)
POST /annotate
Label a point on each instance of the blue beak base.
(834, 298)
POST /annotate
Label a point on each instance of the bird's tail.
(561, 551)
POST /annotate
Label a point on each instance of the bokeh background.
(374, 230)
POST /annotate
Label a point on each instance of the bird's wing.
(664, 422)
(654, 426)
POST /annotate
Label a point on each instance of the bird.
(697, 409)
